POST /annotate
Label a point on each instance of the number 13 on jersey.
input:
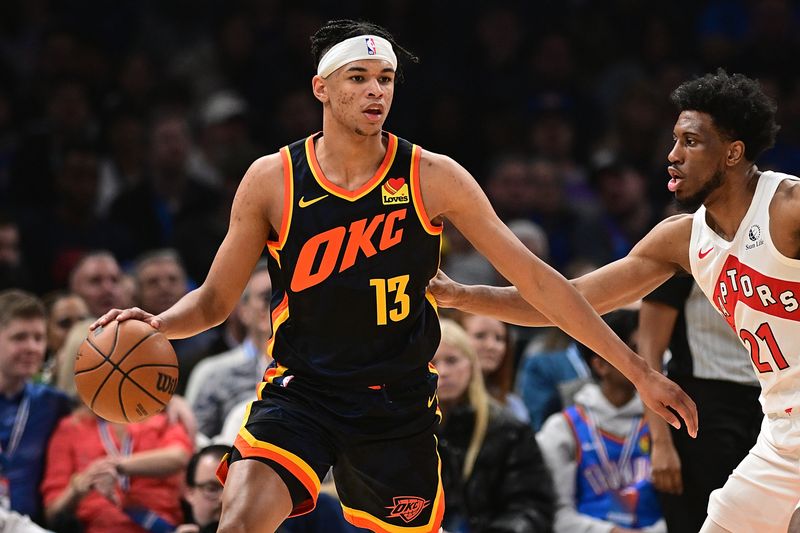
(401, 305)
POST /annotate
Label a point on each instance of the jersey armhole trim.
(416, 194)
(288, 203)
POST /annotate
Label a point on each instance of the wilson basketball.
(126, 371)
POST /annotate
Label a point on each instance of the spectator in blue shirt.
(29, 411)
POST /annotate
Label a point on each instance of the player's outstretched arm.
(610, 287)
(449, 191)
(258, 201)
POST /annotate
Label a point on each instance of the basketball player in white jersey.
(743, 248)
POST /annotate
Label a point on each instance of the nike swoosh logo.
(431, 400)
(304, 203)
(701, 254)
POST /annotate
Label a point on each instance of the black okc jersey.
(350, 270)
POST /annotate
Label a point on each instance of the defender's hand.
(659, 393)
(133, 313)
(444, 290)
(666, 468)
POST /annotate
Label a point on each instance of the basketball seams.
(104, 356)
(115, 365)
(141, 387)
(104, 386)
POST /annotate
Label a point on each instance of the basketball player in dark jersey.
(352, 218)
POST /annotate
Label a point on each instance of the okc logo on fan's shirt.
(371, 49)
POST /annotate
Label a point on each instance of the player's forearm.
(561, 303)
(503, 303)
(196, 312)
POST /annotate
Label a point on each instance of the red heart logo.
(396, 183)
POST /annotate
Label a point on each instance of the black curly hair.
(336, 31)
(738, 106)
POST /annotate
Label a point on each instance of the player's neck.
(11, 386)
(348, 159)
(727, 206)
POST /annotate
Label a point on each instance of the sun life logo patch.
(395, 191)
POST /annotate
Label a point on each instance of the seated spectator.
(551, 368)
(493, 474)
(96, 278)
(493, 343)
(599, 451)
(63, 310)
(203, 491)
(162, 281)
(115, 477)
(220, 382)
(29, 411)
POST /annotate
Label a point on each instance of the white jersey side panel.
(757, 291)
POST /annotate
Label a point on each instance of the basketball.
(126, 371)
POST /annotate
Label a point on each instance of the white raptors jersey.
(757, 290)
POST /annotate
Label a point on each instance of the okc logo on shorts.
(371, 49)
(407, 507)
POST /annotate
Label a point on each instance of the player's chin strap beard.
(355, 49)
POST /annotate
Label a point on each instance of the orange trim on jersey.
(279, 315)
(249, 446)
(368, 521)
(316, 170)
(416, 194)
(288, 203)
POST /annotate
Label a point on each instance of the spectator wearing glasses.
(203, 492)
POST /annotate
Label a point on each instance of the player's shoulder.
(788, 192)
(668, 241)
(267, 165)
(435, 163)
(676, 226)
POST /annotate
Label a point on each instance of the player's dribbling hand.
(443, 289)
(659, 394)
(132, 313)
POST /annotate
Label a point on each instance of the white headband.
(355, 49)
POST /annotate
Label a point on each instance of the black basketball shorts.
(379, 441)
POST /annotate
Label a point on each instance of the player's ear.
(320, 88)
(735, 153)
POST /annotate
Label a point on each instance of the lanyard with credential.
(20, 421)
(615, 471)
(113, 451)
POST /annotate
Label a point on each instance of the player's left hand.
(178, 410)
(660, 394)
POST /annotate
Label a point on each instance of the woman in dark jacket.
(494, 476)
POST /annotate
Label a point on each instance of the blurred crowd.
(126, 126)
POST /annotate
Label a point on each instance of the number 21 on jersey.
(764, 332)
(399, 308)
